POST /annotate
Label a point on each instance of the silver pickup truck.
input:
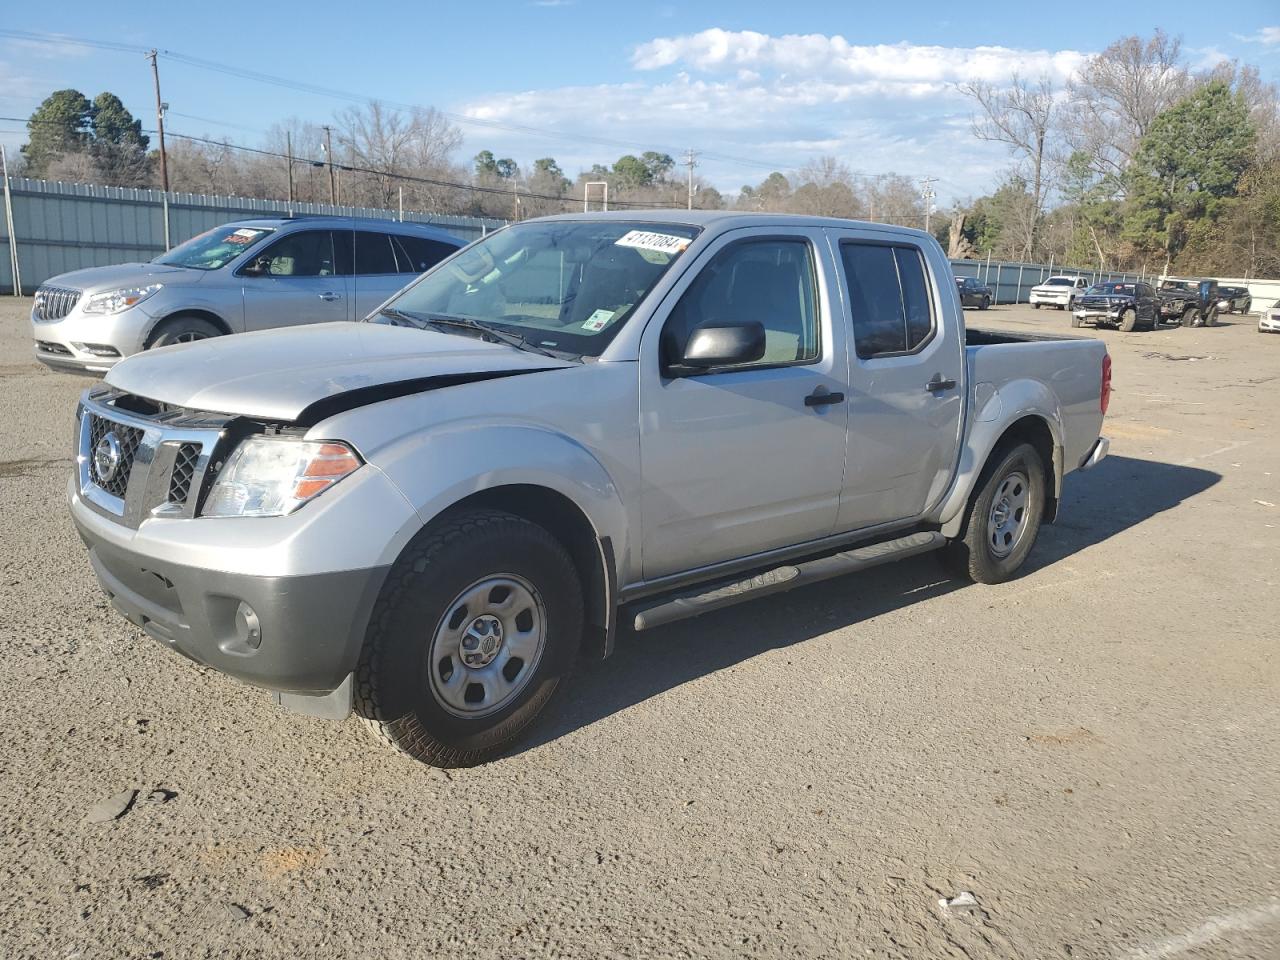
(577, 424)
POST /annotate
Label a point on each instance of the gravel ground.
(1088, 750)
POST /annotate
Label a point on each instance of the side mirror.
(723, 344)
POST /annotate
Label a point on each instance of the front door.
(298, 283)
(906, 377)
(740, 460)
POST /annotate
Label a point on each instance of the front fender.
(440, 467)
(995, 410)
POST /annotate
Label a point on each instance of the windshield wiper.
(509, 337)
(401, 318)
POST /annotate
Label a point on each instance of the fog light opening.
(248, 628)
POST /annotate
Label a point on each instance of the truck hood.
(278, 374)
(97, 279)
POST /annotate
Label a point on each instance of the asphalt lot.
(1090, 750)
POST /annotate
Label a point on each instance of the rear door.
(300, 284)
(376, 274)
(906, 378)
(748, 458)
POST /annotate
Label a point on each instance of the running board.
(785, 578)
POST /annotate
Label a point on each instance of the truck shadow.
(1120, 493)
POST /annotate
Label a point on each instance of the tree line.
(1138, 163)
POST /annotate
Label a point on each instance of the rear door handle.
(938, 384)
(329, 296)
(820, 398)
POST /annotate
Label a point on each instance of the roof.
(370, 223)
(726, 219)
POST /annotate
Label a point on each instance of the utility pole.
(328, 153)
(288, 149)
(164, 159)
(927, 195)
(690, 161)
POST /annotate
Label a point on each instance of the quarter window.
(888, 298)
(418, 254)
(373, 253)
(767, 281)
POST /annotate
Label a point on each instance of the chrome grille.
(54, 303)
(184, 471)
(128, 438)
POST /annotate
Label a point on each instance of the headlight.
(117, 301)
(272, 476)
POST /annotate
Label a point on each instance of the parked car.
(246, 275)
(1233, 299)
(576, 423)
(1060, 292)
(1269, 320)
(1179, 301)
(973, 292)
(1126, 305)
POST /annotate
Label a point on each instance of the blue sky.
(754, 85)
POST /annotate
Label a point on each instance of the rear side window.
(374, 253)
(418, 254)
(888, 298)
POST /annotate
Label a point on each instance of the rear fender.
(996, 410)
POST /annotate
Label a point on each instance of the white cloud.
(776, 103)
(1267, 35)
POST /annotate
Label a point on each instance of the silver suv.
(245, 275)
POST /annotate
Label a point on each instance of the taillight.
(1106, 382)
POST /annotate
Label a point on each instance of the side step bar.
(777, 580)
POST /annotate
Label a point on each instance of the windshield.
(1059, 282)
(561, 285)
(214, 248)
(1115, 288)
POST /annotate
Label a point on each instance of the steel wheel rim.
(188, 337)
(487, 645)
(1008, 520)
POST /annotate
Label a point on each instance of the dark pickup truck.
(1125, 305)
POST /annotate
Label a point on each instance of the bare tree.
(1022, 116)
(1119, 92)
(376, 137)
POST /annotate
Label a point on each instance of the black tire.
(394, 688)
(972, 554)
(1188, 317)
(1060, 307)
(184, 328)
(986, 302)
(1128, 321)
(1036, 306)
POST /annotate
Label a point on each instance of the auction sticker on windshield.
(655, 242)
(243, 235)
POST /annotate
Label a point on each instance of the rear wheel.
(475, 631)
(1003, 518)
(1128, 321)
(184, 328)
(986, 302)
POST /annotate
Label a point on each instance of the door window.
(767, 281)
(307, 253)
(888, 298)
(373, 253)
(418, 254)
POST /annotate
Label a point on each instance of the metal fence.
(1012, 282)
(67, 226)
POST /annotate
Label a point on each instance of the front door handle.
(938, 384)
(820, 398)
(329, 296)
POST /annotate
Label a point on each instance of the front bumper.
(1110, 314)
(1269, 322)
(1052, 299)
(297, 634)
(89, 343)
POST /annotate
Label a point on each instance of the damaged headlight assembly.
(273, 476)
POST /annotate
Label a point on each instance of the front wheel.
(986, 302)
(1036, 305)
(476, 629)
(1129, 321)
(184, 328)
(1003, 518)
(1188, 317)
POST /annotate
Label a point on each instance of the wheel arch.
(591, 553)
(203, 314)
(1033, 428)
